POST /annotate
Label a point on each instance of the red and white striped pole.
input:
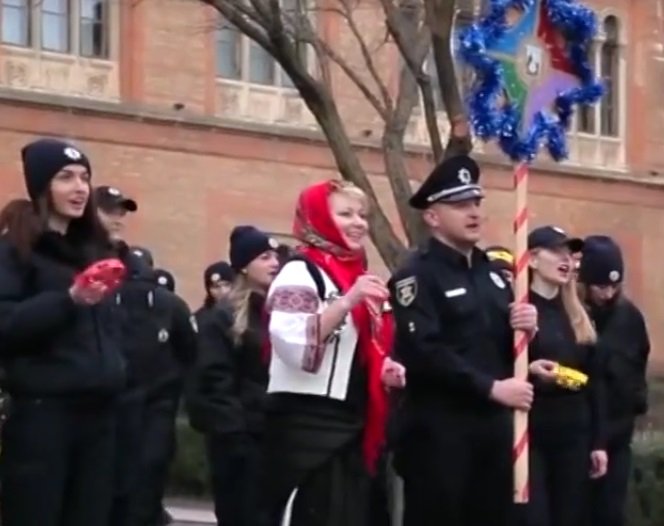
(521, 440)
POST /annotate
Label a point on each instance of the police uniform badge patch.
(406, 291)
(497, 280)
(73, 153)
(163, 336)
(194, 324)
(464, 176)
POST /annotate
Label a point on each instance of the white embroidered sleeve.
(294, 308)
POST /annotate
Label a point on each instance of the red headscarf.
(324, 245)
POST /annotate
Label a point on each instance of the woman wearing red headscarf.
(330, 336)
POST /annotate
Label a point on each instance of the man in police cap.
(159, 341)
(112, 209)
(455, 321)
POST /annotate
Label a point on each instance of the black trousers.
(236, 470)
(559, 480)
(609, 494)
(337, 493)
(128, 430)
(158, 443)
(57, 463)
(456, 467)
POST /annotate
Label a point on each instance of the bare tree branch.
(440, 18)
(283, 32)
(366, 55)
(246, 24)
(356, 79)
(414, 57)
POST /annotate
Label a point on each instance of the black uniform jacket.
(50, 345)
(227, 392)
(452, 326)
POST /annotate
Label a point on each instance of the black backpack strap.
(315, 273)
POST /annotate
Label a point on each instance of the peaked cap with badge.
(454, 180)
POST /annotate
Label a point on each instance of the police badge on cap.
(454, 180)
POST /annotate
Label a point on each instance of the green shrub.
(189, 475)
(646, 496)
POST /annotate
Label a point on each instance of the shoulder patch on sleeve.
(405, 291)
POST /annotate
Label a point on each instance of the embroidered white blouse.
(301, 362)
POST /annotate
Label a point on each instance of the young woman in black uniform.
(227, 392)
(624, 342)
(566, 425)
(60, 348)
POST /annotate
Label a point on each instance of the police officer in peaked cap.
(454, 334)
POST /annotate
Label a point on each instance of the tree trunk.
(440, 18)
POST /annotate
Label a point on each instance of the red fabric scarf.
(324, 245)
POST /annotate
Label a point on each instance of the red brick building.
(206, 133)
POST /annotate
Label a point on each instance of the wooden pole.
(521, 440)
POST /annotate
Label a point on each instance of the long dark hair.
(22, 222)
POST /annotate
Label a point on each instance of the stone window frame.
(607, 118)
(74, 21)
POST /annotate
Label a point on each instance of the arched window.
(586, 113)
(604, 57)
(609, 71)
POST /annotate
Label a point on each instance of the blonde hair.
(350, 190)
(239, 300)
(583, 328)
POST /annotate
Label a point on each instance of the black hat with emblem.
(165, 279)
(601, 262)
(43, 159)
(218, 272)
(109, 199)
(144, 255)
(553, 237)
(246, 244)
(455, 179)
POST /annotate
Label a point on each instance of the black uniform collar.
(442, 250)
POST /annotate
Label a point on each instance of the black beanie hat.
(247, 243)
(144, 255)
(216, 272)
(601, 262)
(165, 279)
(44, 158)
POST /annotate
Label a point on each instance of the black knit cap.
(144, 255)
(216, 272)
(43, 159)
(247, 243)
(165, 279)
(601, 262)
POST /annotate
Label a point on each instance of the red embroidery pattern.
(314, 349)
(294, 299)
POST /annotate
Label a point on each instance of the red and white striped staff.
(521, 440)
